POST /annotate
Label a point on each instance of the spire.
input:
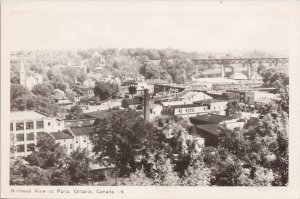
(22, 77)
(22, 69)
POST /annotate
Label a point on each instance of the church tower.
(22, 76)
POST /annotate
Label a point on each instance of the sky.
(189, 25)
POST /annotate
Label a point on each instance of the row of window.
(20, 137)
(21, 148)
(29, 125)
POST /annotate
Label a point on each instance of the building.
(209, 126)
(25, 125)
(82, 92)
(168, 88)
(190, 96)
(155, 111)
(210, 119)
(79, 123)
(81, 138)
(215, 106)
(241, 96)
(29, 80)
(64, 139)
(185, 110)
(89, 83)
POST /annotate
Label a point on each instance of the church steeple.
(22, 76)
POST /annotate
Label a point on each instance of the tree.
(232, 108)
(75, 112)
(17, 90)
(47, 154)
(44, 89)
(106, 90)
(124, 138)
(23, 174)
(132, 90)
(79, 165)
(197, 174)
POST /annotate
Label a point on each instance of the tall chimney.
(222, 71)
(146, 105)
(249, 71)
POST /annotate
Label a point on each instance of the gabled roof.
(80, 131)
(61, 135)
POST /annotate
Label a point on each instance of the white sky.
(195, 26)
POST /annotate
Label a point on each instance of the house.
(89, 83)
(81, 138)
(25, 125)
(64, 139)
(80, 92)
(155, 111)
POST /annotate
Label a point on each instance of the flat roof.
(26, 115)
(211, 118)
(210, 128)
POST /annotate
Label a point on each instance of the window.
(29, 136)
(19, 126)
(76, 140)
(20, 148)
(11, 127)
(39, 124)
(29, 125)
(84, 139)
(70, 146)
(30, 147)
(49, 123)
(20, 137)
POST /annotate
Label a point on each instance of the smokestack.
(222, 71)
(249, 71)
(146, 105)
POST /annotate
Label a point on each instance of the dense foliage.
(50, 165)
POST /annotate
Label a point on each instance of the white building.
(25, 125)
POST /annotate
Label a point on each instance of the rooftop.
(185, 106)
(100, 114)
(208, 101)
(79, 131)
(211, 118)
(27, 115)
(61, 135)
(210, 128)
